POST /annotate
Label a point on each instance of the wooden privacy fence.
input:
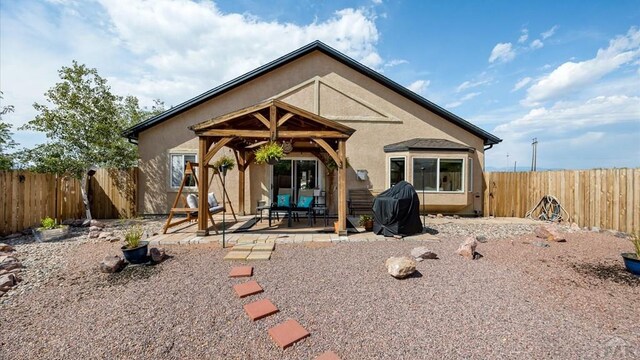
(28, 197)
(608, 198)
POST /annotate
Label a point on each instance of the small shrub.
(132, 237)
(635, 240)
(48, 223)
(224, 160)
(364, 219)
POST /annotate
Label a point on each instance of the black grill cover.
(396, 211)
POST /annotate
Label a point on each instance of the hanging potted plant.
(50, 230)
(135, 250)
(632, 260)
(224, 160)
(269, 153)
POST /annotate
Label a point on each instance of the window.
(178, 163)
(396, 170)
(439, 175)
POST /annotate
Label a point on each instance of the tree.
(83, 124)
(6, 141)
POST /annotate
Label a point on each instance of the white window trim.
(389, 168)
(470, 177)
(183, 153)
(437, 190)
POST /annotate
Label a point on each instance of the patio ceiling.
(246, 129)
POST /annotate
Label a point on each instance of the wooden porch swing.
(191, 212)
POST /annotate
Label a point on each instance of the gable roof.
(132, 132)
(422, 144)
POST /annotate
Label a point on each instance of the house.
(390, 133)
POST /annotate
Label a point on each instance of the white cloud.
(524, 36)
(377, 2)
(502, 52)
(395, 62)
(536, 44)
(574, 116)
(521, 83)
(419, 86)
(549, 33)
(471, 84)
(572, 75)
(462, 100)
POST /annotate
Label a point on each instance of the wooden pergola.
(245, 130)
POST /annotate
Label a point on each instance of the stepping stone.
(236, 255)
(243, 247)
(259, 255)
(241, 271)
(328, 355)
(260, 309)
(264, 247)
(288, 333)
(249, 288)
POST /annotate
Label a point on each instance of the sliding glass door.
(292, 175)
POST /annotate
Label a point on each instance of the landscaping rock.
(69, 222)
(111, 264)
(157, 254)
(6, 247)
(595, 229)
(400, 267)
(575, 227)
(541, 244)
(97, 223)
(468, 248)
(439, 216)
(95, 228)
(549, 232)
(12, 236)
(481, 238)
(105, 235)
(78, 223)
(9, 263)
(422, 253)
(7, 280)
(94, 234)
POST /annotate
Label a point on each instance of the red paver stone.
(241, 271)
(288, 333)
(249, 288)
(329, 355)
(260, 309)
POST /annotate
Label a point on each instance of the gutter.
(488, 147)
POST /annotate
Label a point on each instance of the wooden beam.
(317, 118)
(231, 116)
(274, 124)
(342, 188)
(287, 134)
(284, 118)
(203, 191)
(262, 119)
(219, 145)
(329, 150)
(241, 183)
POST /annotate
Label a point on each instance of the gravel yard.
(520, 300)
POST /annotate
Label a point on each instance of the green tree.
(6, 141)
(83, 123)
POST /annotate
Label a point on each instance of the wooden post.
(203, 191)
(273, 122)
(342, 188)
(241, 184)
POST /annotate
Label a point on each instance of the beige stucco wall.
(322, 85)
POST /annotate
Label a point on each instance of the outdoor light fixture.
(362, 174)
(223, 171)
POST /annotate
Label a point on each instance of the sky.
(564, 72)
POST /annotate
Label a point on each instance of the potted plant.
(224, 160)
(135, 250)
(269, 153)
(367, 222)
(50, 230)
(632, 260)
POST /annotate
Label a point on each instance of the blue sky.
(565, 72)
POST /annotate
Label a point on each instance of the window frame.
(463, 180)
(403, 157)
(182, 154)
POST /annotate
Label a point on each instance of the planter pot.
(632, 263)
(136, 255)
(51, 234)
(368, 225)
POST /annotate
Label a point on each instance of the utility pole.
(507, 162)
(515, 165)
(534, 154)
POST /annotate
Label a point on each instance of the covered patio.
(243, 131)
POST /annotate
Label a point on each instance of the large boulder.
(468, 248)
(9, 263)
(422, 253)
(111, 264)
(400, 267)
(6, 247)
(549, 232)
